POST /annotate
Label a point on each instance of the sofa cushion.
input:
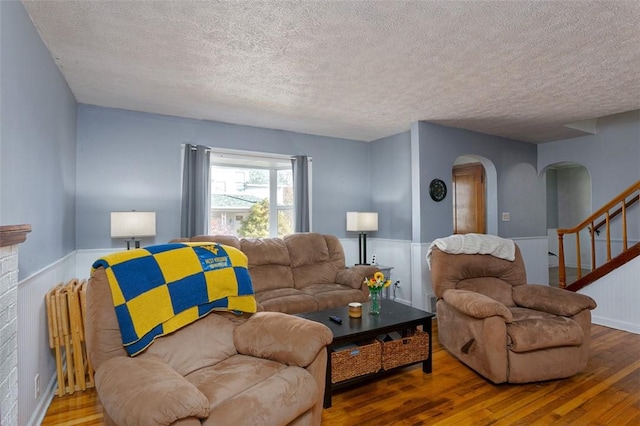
(447, 270)
(336, 252)
(214, 337)
(332, 295)
(476, 305)
(320, 273)
(227, 240)
(553, 300)
(265, 251)
(519, 313)
(126, 386)
(268, 263)
(270, 392)
(495, 288)
(283, 338)
(287, 300)
(311, 261)
(307, 249)
(541, 331)
(269, 277)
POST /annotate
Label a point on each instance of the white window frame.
(257, 160)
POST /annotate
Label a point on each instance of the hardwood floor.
(606, 393)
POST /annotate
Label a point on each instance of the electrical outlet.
(506, 216)
(36, 384)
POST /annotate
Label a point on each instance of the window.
(251, 195)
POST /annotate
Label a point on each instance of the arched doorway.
(569, 202)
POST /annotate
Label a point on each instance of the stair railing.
(602, 217)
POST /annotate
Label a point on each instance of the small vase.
(375, 302)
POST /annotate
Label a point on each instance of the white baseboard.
(45, 401)
(618, 325)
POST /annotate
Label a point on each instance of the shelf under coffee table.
(394, 317)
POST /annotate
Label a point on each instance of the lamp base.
(362, 248)
(135, 241)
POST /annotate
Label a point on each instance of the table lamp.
(133, 225)
(362, 222)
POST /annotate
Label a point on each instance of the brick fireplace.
(10, 237)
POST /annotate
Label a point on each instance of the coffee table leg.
(427, 364)
(327, 381)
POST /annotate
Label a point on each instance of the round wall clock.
(437, 190)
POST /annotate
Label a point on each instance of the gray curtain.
(196, 194)
(301, 193)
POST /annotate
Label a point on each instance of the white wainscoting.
(618, 297)
(552, 236)
(34, 354)
(85, 258)
(395, 253)
(422, 288)
(536, 258)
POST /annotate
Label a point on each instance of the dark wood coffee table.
(393, 316)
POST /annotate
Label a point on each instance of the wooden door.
(469, 199)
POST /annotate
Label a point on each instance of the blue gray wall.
(552, 198)
(131, 161)
(37, 143)
(574, 196)
(611, 156)
(519, 189)
(391, 186)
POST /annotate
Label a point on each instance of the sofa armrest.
(553, 300)
(281, 337)
(146, 391)
(476, 305)
(355, 275)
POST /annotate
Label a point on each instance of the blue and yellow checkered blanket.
(159, 289)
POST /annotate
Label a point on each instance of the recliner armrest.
(146, 391)
(552, 300)
(476, 305)
(281, 337)
(355, 275)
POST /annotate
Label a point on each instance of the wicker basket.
(406, 350)
(355, 362)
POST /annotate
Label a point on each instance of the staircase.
(605, 254)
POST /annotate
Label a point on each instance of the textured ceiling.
(354, 69)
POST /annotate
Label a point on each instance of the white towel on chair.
(475, 244)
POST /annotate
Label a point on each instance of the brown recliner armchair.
(503, 328)
(262, 369)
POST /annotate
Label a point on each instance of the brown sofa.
(503, 328)
(262, 369)
(302, 272)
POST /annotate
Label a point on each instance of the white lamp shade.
(133, 224)
(362, 221)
